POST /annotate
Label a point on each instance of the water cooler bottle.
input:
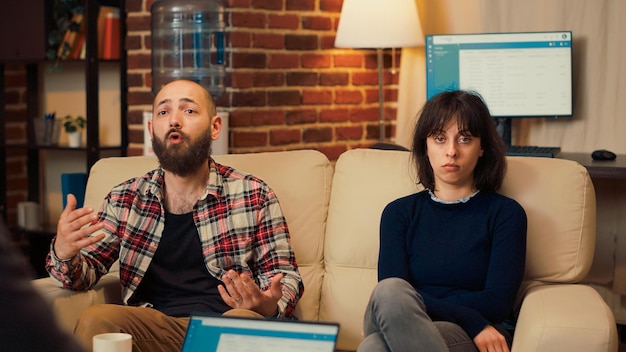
(188, 42)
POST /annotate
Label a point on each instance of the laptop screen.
(220, 333)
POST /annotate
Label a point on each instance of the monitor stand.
(503, 126)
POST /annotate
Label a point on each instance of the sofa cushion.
(560, 204)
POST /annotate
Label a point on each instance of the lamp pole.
(381, 101)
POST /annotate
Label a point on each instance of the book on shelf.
(79, 44)
(108, 32)
(69, 38)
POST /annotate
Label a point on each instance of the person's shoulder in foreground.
(27, 322)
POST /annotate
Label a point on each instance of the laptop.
(216, 333)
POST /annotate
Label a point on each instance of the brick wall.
(15, 113)
(287, 86)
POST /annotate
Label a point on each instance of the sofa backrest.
(365, 181)
(557, 195)
(301, 180)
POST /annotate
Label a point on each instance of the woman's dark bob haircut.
(472, 115)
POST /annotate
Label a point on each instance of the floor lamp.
(378, 24)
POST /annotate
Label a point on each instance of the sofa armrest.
(569, 317)
(68, 305)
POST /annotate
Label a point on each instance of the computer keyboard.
(532, 150)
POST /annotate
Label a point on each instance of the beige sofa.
(333, 213)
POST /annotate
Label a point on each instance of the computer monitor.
(524, 74)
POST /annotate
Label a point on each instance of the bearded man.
(191, 236)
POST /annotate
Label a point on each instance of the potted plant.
(73, 127)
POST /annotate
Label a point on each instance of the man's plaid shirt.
(239, 220)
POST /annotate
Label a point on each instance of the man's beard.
(180, 159)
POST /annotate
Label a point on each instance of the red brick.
(134, 151)
(268, 117)
(300, 42)
(284, 98)
(331, 5)
(224, 99)
(283, 21)
(136, 136)
(284, 61)
(134, 42)
(348, 97)
(15, 115)
(318, 23)
(240, 39)
(267, 4)
(298, 117)
(136, 5)
(371, 95)
(315, 61)
(365, 78)
(241, 80)
(334, 79)
(15, 167)
(239, 4)
(285, 136)
(12, 97)
(249, 60)
(15, 132)
(139, 61)
(349, 133)
(268, 41)
(139, 98)
(134, 117)
(373, 131)
(248, 20)
(389, 95)
(249, 139)
(317, 97)
(335, 115)
(300, 5)
(348, 60)
(240, 118)
(257, 98)
(138, 23)
(317, 135)
(302, 78)
(134, 80)
(269, 79)
(327, 42)
(17, 183)
(371, 61)
(16, 78)
(363, 115)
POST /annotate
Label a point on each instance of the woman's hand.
(491, 340)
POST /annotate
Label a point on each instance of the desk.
(615, 169)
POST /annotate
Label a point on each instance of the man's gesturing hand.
(242, 292)
(72, 236)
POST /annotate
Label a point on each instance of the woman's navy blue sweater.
(465, 259)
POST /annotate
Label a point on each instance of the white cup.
(28, 215)
(113, 342)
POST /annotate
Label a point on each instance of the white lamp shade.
(379, 24)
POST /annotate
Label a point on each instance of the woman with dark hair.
(452, 256)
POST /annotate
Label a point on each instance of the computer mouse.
(603, 154)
